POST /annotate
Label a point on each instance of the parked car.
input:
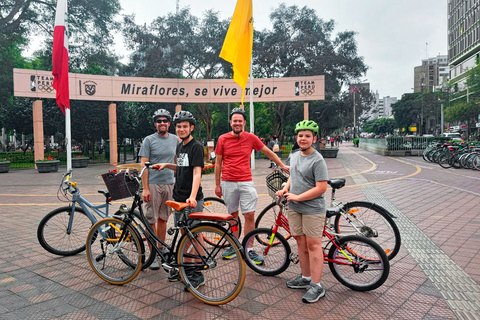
(455, 136)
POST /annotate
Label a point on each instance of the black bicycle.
(115, 248)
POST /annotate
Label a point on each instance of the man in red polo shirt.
(232, 167)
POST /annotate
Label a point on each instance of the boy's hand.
(159, 166)
(192, 201)
(281, 192)
(291, 196)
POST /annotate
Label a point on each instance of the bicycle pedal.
(294, 258)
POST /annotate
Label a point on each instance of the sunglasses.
(162, 121)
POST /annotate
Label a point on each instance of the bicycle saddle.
(175, 205)
(337, 183)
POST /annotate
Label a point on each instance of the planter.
(329, 152)
(47, 166)
(80, 162)
(4, 167)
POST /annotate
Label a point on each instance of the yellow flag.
(237, 47)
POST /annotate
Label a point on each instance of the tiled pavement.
(435, 275)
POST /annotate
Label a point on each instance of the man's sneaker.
(255, 257)
(298, 283)
(196, 280)
(154, 265)
(229, 254)
(313, 293)
(173, 275)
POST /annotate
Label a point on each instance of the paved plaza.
(435, 275)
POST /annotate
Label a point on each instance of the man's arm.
(272, 156)
(218, 175)
(146, 189)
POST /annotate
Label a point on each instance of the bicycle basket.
(275, 181)
(119, 185)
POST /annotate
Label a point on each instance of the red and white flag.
(60, 56)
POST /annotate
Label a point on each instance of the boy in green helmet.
(305, 192)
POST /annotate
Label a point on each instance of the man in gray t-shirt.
(159, 147)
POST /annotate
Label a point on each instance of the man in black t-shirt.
(188, 173)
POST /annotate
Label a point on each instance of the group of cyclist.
(177, 176)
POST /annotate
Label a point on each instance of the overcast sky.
(392, 35)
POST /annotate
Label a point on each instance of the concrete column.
(38, 130)
(305, 111)
(112, 130)
(178, 107)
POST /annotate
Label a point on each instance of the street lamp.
(353, 88)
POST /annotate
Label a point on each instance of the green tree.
(381, 126)
(302, 44)
(406, 110)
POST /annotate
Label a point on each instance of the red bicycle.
(356, 261)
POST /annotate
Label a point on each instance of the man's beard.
(237, 132)
(161, 132)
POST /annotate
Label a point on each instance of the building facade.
(431, 75)
(463, 39)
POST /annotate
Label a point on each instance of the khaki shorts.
(156, 208)
(306, 224)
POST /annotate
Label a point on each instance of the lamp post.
(353, 88)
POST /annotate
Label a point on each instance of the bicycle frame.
(282, 221)
(84, 204)
(153, 239)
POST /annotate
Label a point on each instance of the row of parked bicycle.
(361, 237)
(450, 155)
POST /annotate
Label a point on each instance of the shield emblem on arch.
(90, 87)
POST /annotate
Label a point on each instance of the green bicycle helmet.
(307, 125)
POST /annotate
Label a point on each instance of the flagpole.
(68, 138)
(252, 115)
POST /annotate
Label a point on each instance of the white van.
(455, 136)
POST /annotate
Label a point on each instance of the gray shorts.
(156, 208)
(178, 214)
(241, 194)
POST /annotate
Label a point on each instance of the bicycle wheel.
(276, 258)
(366, 266)
(223, 279)
(52, 231)
(476, 162)
(445, 161)
(373, 222)
(114, 261)
(214, 204)
(267, 218)
(148, 254)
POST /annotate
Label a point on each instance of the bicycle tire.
(148, 254)
(114, 262)
(52, 231)
(224, 279)
(214, 204)
(476, 162)
(366, 257)
(267, 218)
(374, 222)
(276, 260)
